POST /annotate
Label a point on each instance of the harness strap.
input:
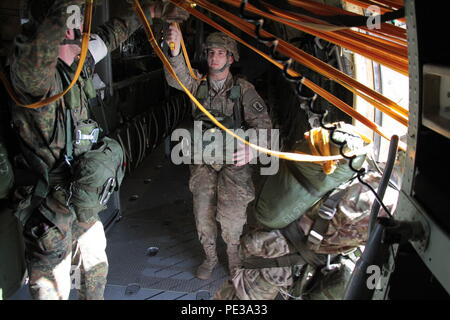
(298, 239)
(280, 262)
(234, 95)
(69, 140)
(326, 213)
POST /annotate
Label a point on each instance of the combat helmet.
(221, 40)
(37, 10)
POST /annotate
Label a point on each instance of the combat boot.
(234, 260)
(205, 270)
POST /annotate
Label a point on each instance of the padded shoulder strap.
(202, 91)
(238, 109)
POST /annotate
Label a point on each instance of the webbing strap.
(326, 213)
(69, 138)
(279, 262)
(297, 238)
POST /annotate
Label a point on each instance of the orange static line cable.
(325, 9)
(381, 6)
(392, 3)
(346, 34)
(371, 92)
(365, 5)
(83, 55)
(402, 117)
(283, 155)
(392, 57)
(186, 58)
(382, 3)
(399, 41)
(310, 61)
(355, 38)
(326, 95)
(394, 43)
(320, 8)
(294, 17)
(353, 82)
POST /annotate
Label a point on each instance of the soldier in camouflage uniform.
(346, 232)
(221, 192)
(45, 58)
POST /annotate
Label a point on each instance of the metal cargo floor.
(157, 212)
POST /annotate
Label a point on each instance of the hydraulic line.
(284, 155)
(83, 55)
(378, 100)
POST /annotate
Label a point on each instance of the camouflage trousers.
(62, 253)
(259, 284)
(221, 194)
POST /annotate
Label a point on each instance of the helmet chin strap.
(76, 40)
(221, 69)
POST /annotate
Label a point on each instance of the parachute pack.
(278, 203)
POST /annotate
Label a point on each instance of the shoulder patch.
(258, 106)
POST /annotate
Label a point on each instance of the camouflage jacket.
(37, 73)
(255, 110)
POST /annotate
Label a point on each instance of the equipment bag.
(297, 186)
(96, 175)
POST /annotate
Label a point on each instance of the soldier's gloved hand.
(169, 12)
(173, 35)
